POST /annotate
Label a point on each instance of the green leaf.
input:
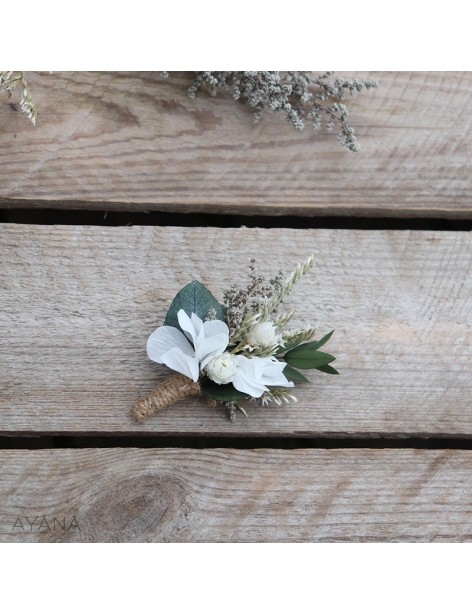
(222, 392)
(328, 369)
(194, 298)
(285, 348)
(293, 375)
(307, 359)
(314, 345)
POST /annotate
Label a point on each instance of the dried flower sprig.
(9, 81)
(236, 351)
(301, 97)
(277, 396)
(297, 94)
(265, 310)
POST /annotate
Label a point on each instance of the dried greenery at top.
(9, 81)
(301, 97)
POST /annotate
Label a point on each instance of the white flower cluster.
(263, 335)
(208, 352)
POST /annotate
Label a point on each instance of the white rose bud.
(263, 335)
(222, 368)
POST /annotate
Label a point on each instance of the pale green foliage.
(243, 312)
(9, 81)
(300, 335)
(286, 287)
(278, 396)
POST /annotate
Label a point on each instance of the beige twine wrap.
(173, 389)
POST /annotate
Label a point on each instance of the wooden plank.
(135, 141)
(223, 495)
(78, 303)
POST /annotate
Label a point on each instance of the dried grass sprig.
(9, 81)
(268, 307)
(298, 336)
(278, 396)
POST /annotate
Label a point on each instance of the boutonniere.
(235, 351)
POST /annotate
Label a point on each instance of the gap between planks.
(97, 217)
(374, 441)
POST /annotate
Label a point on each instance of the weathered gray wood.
(77, 305)
(178, 495)
(135, 141)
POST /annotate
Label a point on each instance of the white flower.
(254, 374)
(167, 345)
(263, 335)
(222, 369)
(249, 375)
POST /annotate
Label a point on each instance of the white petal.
(197, 323)
(281, 380)
(244, 383)
(273, 369)
(176, 360)
(215, 327)
(211, 347)
(272, 374)
(252, 367)
(246, 365)
(253, 375)
(246, 378)
(187, 325)
(164, 339)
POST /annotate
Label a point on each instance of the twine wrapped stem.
(173, 389)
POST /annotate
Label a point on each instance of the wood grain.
(135, 141)
(178, 495)
(78, 303)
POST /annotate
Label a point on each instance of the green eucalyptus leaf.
(222, 392)
(328, 369)
(194, 298)
(293, 375)
(307, 359)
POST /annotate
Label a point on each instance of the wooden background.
(136, 141)
(350, 461)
